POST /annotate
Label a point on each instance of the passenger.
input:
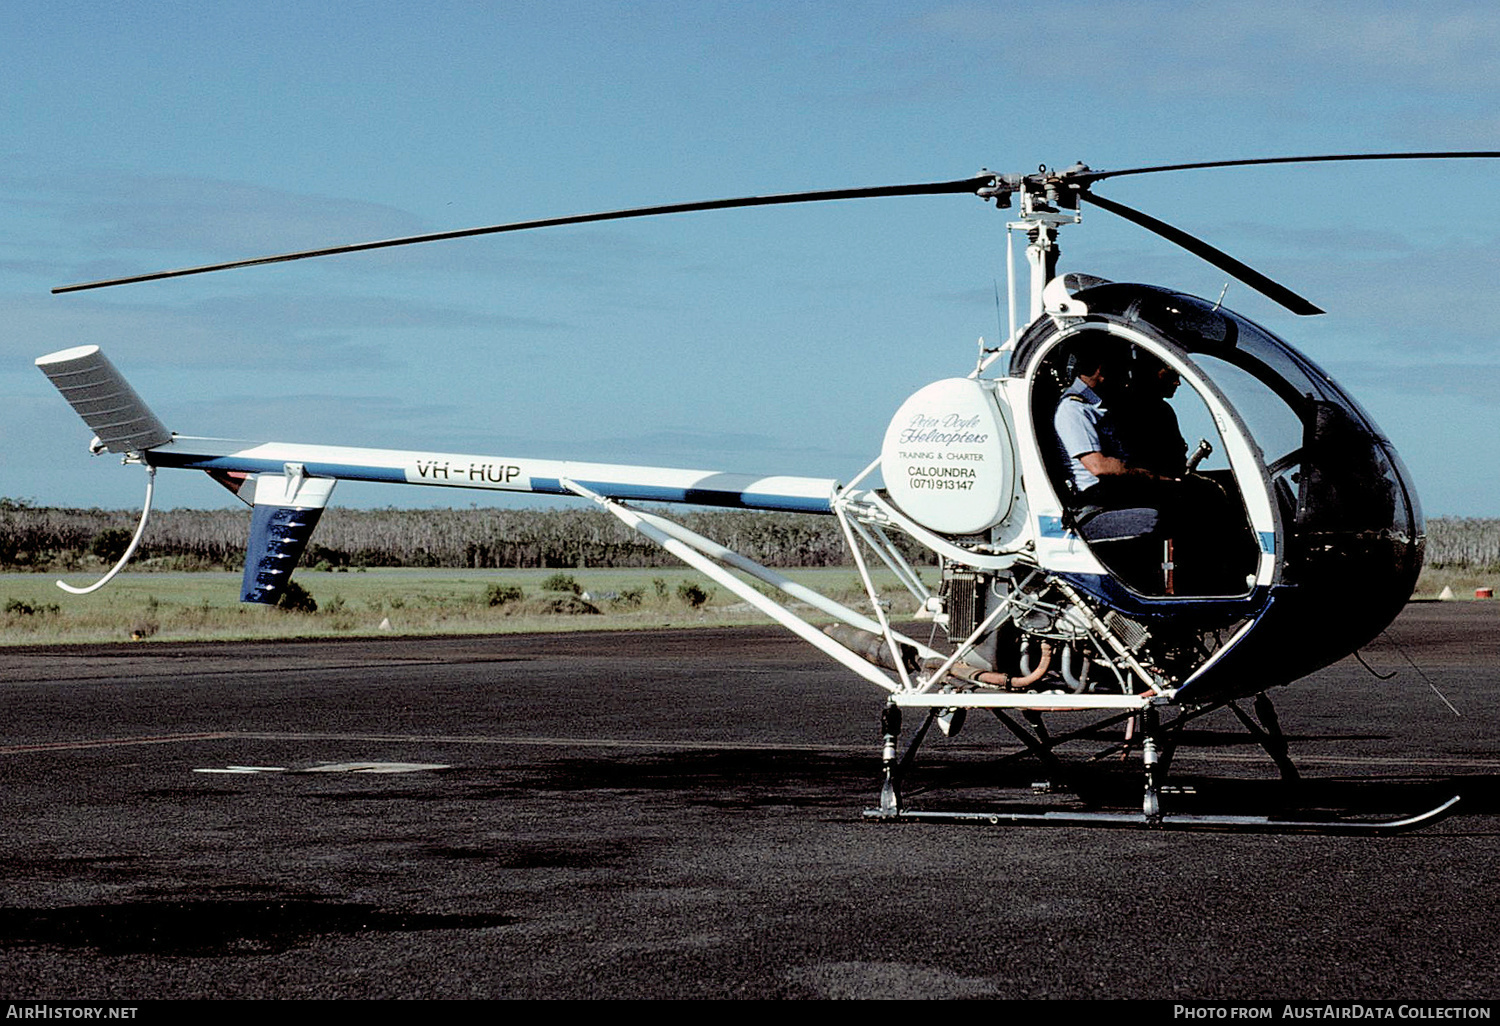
(1152, 438)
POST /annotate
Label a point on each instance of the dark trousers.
(1207, 530)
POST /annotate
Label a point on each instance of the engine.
(1034, 623)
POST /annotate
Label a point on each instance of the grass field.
(204, 606)
(183, 606)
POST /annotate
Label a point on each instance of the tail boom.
(503, 474)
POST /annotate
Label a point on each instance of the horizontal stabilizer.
(104, 399)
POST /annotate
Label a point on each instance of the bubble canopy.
(1348, 519)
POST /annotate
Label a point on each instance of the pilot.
(1095, 442)
(1127, 455)
(1115, 498)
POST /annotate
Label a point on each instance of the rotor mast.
(1044, 208)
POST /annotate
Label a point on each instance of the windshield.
(1347, 475)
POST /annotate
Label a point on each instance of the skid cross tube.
(1269, 735)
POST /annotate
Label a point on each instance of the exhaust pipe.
(873, 649)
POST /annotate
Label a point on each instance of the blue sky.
(142, 136)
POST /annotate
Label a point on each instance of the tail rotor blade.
(1223, 261)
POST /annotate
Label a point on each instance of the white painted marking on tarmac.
(112, 742)
(335, 767)
(375, 767)
(244, 769)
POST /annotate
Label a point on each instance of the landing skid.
(1157, 743)
(1247, 824)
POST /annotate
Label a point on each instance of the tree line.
(46, 537)
(34, 537)
(1463, 543)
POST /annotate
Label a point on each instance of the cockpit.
(1140, 469)
(1299, 479)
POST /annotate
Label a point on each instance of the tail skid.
(135, 542)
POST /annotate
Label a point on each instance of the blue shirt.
(1083, 426)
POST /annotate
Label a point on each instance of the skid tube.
(1140, 821)
(1151, 816)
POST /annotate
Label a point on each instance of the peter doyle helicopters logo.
(953, 429)
(940, 468)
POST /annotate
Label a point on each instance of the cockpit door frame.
(1245, 457)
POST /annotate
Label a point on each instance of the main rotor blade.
(974, 185)
(1087, 178)
(1223, 261)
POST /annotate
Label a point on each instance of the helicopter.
(1141, 611)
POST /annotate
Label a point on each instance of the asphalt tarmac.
(678, 815)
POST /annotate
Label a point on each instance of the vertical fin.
(287, 509)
